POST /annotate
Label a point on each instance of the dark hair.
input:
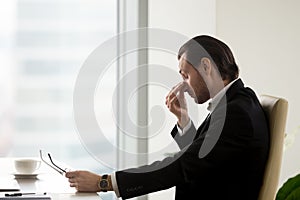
(206, 46)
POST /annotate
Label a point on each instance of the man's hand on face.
(176, 103)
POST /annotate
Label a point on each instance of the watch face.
(103, 184)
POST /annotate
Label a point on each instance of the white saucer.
(20, 175)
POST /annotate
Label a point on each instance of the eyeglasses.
(52, 164)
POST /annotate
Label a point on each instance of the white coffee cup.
(27, 165)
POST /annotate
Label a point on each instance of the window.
(42, 47)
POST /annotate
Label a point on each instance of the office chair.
(276, 111)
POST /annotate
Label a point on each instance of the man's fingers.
(70, 174)
(73, 184)
(181, 88)
(175, 89)
(173, 100)
(72, 180)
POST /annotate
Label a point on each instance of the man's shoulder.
(244, 101)
(238, 91)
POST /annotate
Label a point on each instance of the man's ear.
(206, 64)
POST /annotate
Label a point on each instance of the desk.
(48, 181)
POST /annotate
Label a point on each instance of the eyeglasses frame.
(53, 166)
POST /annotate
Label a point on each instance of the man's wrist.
(183, 121)
(110, 188)
(182, 131)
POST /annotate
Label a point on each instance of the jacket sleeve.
(235, 149)
(186, 165)
(186, 139)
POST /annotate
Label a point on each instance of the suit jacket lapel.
(203, 127)
(237, 85)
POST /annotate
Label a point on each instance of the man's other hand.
(84, 181)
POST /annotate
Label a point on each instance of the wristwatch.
(103, 183)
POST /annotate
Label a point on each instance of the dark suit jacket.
(232, 169)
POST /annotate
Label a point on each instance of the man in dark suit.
(224, 158)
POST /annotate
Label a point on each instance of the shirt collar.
(215, 100)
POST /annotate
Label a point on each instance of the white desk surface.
(48, 181)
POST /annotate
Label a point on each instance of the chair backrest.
(276, 111)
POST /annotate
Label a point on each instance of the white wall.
(265, 38)
(189, 18)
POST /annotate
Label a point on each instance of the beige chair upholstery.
(276, 112)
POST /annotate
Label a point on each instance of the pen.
(21, 194)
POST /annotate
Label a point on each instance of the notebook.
(26, 197)
(8, 185)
